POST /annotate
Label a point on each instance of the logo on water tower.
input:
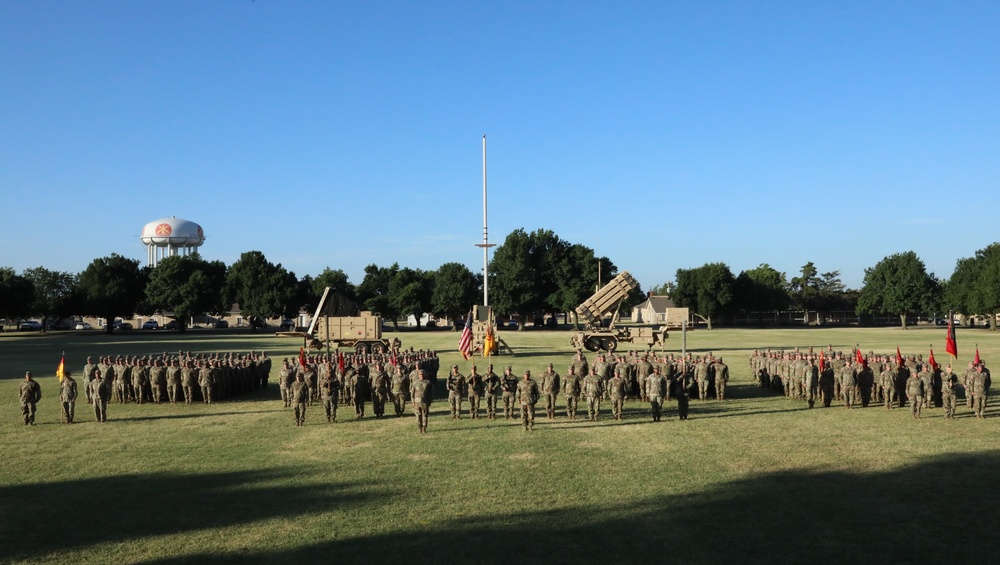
(163, 230)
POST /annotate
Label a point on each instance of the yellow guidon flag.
(488, 342)
(60, 370)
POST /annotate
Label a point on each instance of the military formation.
(861, 380)
(398, 379)
(153, 379)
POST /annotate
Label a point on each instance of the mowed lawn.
(756, 478)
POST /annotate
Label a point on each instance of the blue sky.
(663, 135)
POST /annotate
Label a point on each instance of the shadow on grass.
(921, 513)
(39, 519)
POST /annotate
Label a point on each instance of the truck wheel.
(377, 348)
(592, 344)
(610, 344)
(361, 349)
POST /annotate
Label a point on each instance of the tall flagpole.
(486, 238)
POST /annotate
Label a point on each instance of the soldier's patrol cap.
(454, 366)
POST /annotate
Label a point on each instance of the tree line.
(897, 285)
(530, 273)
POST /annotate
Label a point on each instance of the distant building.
(654, 310)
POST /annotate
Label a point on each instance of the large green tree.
(112, 287)
(820, 292)
(455, 289)
(410, 292)
(187, 286)
(974, 287)
(523, 279)
(706, 290)
(17, 293)
(762, 289)
(373, 292)
(54, 294)
(262, 289)
(899, 284)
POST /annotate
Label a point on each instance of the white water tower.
(171, 236)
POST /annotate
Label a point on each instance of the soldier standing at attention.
(527, 396)
(380, 390)
(593, 389)
(491, 388)
(157, 380)
(360, 387)
(970, 371)
(571, 392)
(948, 382)
(980, 385)
(206, 382)
(173, 381)
(508, 384)
(617, 391)
(90, 367)
(300, 396)
(123, 381)
(396, 386)
(99, 396)
(684, 382)
(928, 378)
(422, 393)
(848, 380)
(888, 385)
(811, 383)
(476, 387)
(701, 374)
(330, 393)
(30, 394)
(721, 378)
(550, 388)
(915, 393)
(67, 396)
(189, 381)
(456, 391)
(284, 382)
(655, 387)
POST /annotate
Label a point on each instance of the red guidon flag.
(822, 361)
(950, 343)
(302, 357)
(931, 361)
(899, 357)
(340, 362)
(976, 360)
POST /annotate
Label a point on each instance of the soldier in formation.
(30, 393)
(527, 397)
(422, 393)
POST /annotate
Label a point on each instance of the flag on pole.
(931, 361)
(822, 361)
(860, 358)
(60, 370)
(340, 362)
(488, 342)
(899, 357)
(465, 341)
(950, 343)
(302, 357)
(976, 360)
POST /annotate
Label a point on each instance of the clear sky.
(661, 134)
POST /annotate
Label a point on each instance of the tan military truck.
(608, 300)
(338, 323)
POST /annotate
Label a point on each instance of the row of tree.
(530, 273)
(897, 285)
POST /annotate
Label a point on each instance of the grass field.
(757, 478)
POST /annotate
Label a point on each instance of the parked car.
(83, 326)
(151, 325)
(287, 325)
(172, 325)
(220, 324)
(120, 325)
(30, 326)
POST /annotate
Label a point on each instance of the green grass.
(755, 479)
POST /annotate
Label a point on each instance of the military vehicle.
(339, 323)
(608, 300)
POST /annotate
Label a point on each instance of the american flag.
(465, 342)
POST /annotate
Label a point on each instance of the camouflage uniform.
(422, 393)
(67, 396)
(571, 392)
(915, 393)
(948, 396)
(30, 393)
(491, 388)
(285, 382)
(593, 389)
(701, 374)
(330, 395)
(527, 396)
(99, 397)
(550, 388)
(300, 397)
(721, 378)
(476, 387)
(456, 392)
(616, 389)
(979, 390)
(397, 389)
(655, 387)
(508, 384)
